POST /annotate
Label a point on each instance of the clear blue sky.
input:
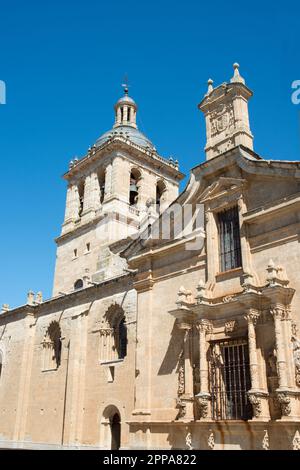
(63, 63)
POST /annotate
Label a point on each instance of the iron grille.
(230, 380)
(229, 239)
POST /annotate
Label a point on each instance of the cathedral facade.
(174, 319)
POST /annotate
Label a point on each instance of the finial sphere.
(236, 65)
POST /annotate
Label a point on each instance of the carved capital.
(284, 402)
(255, 401)
(181, 406)
(252, 316)
(202, 400)
(281, 312)
(204, 326)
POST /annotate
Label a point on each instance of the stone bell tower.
(121, 185)
(226, 114)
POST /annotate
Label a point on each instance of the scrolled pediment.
(224, 186)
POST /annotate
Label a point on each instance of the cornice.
(120, 142)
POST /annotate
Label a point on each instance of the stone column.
(288, 397)
(108, 181)
(252, 317)
(187, 397)
(70, 212)
(125, 114)
(88, 206)
(257, 396)
(203, 397)
(211, 242)
(95, 192)
(278, 313)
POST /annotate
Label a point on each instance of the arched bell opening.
(135, 177)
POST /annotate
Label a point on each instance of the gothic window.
(121, 340)
(135, 176)
(113, 335)
(229, 239)
(160, 189)
(81, 198)
(229, 375)
(52, 347)
(101, 179)
(78, 284)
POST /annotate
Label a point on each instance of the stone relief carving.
(228, 298)
(188, 441)
(285, 403)
(211, 440)
(296, 355)
(230, 326)
(203, 401)
(181, 406)
(294, 329)
(265, 441)
(296, 441)
(180, 390)
(256, 404)
(181, 380)
(221, 119)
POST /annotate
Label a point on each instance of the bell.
(133, 188)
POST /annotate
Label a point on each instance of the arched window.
(78, 284)
(113, 335)
(81, 198)
(160, 189)
(135, 176)
(101, 179)
(122, 339)
(52, 347)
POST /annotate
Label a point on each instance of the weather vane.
(125, 85)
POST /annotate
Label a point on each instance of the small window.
(81, 198)
(229, 239)
(128, 114)
(101, 180)
(75, 253)
(88, 247)
(78, 284)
